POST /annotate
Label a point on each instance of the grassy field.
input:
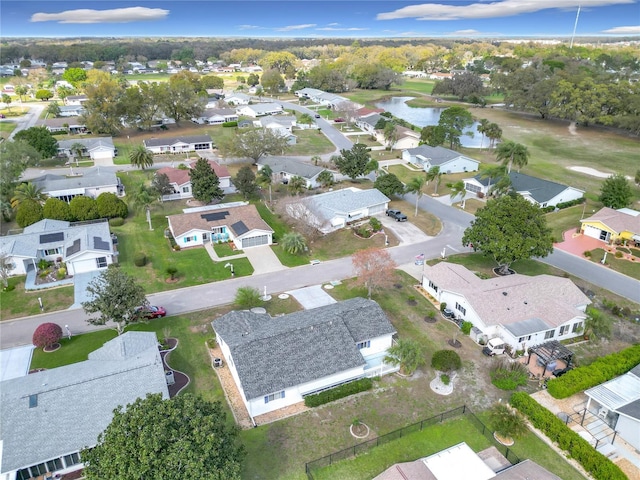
(6, 128)
(20, 303)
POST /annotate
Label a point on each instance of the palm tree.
(27, 191)
(495, 172)
(5, 210)
(247, 297)
(326, 178)
(434, 173)
(493, 133)
(458, 188)
(76, 150)
(408, 354)
(142, 197)
(508, 424)
(415, 186)
(21, 91)
(512, 153)
(297, 185)
(483, 125)
(294, 243)
(264, 178)
(141, 157)
(390, 135)
(597, 324)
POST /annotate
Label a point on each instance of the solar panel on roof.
(240, 228)
(100, 244)
(213, 216)
(73, 249)
(51, 237)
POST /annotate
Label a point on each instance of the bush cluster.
(338, 392)
(446, 361)
(562, 205)
(601, 370)
(578, 448)
(47, 334)
(375, 224)
(140, 259)
(507, 375)
(116, 222)
(466, 327)
(230, 124)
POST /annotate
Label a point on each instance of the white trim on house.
(449, 161)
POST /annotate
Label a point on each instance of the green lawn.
(225, 250)
(72, 350)
(6, 128)
(485, 264)
(310, 142)
(626, 267)
(20, 303)
(420, 86)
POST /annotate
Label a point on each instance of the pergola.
(549, 351)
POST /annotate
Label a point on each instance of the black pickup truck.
(397, 214)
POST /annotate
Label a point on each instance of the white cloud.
(504, 8)
(249, 27)
(334, 24)
(289, 28)
(116, 15)
(624, 30)
(345, 29)
(465, 32)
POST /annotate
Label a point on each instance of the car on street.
(150, 311)
(397, 215)
(317, 115)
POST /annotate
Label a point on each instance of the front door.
(205, 237)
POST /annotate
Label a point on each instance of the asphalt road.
(29, 119)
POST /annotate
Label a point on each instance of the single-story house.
(617, 402)
(260, 109)
(405, 138)
(449, 161)
(277, 361)
(190, 143)
(280, 122)
(245, 123)
(49, 417)
(611, 225)
(333, 210)
(91, 183)
(74, 110)
(543, 193)
(368, 122)
(216, 116)
(83, 248)
(98, 148)
(308, 93)
(73, 125)
(237, 99)
(523, 311)
(181, 180)
(331, 100)
(76, 99)
(285, 168)
(239, 223)
(461, 462)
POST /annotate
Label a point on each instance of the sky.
(327, 18)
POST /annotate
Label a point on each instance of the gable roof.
(225, 216)
(220, 170)
(92, 177)
(271, 354)
(88, 143)
(372, 119)
(539, 189)
(265, 107)
(281, 120)
(219, 112)
(75, 403)
(520, 303)
(291, 166)
(168, 141)
(616, 220)
(343, 201)
(621, 394)
(437, 155)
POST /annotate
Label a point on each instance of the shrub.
(172, 271)
(446, 361)
(230, 124)
(375, 224)
(47, 334)
(43, 264)
(443, 305)
(466, 327)
(603, 369)
(83, 208)
(578, 448)
(364, 231)
(110, 206)
(618, 254)
(247, 297)
(444, 378)
(338, 392)
(507, 423)
(507, 375)
(116, 222)
(587, 253)
(140, 259)
(62, 272)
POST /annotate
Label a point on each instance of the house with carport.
(83, 248)
(448, 160)
(90, 183)
(237, 222)
(277, 361)
(284, 169)
(334, 210)
(183, 144)
(523, 311)
(49, 417)
(99, 149)
(180, 180)
(612, 226)
(538, 191)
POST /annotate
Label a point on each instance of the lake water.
(421, 117)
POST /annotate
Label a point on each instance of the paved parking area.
(406, 232)
(312, 297)
(14, 362)
(577, 243)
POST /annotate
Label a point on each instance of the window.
(362, 345)
(101, 262)
(185, 189)
(470, 187)
(217, 229)
(53, 465)
(563, 329)
(190, 239)
(53, 251)
(576, 326)
(70, 460)
(460, 308)
(273, 396)
(522, 339)
(549, 334)
(433, 286)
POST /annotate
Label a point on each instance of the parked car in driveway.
(397, 215)
(150, 311)
(339, 120)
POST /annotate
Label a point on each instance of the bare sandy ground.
(593, 172)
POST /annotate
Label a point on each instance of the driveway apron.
(14, 362)
(80, 282)
(263, 260)
(312, 297)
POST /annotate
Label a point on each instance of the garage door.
(376, 209)
(255, 241)
(594, 232)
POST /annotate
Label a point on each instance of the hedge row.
(601, 370)
(562, 205)
(577, 447)
(336, 393)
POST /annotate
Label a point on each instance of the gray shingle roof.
(165, 142)
(271, 354)
(541, 190)
(88, 143)
(436, 155)
(371, 119)
(93, 177)
(327, 205)
(290, 166)
(75, 403)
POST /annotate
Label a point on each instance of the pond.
(421, 117)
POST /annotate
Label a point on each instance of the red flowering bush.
(47, 334)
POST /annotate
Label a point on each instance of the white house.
(449, 161)
(83, 248)
(72, 125)
(308, 93)
(333, 210)
(284, 169)
(543, 193)
(405, 138)
(368, 122)
(190, 143)
(75, 99)
(523, 311)
(216, 116)
(280, 122)
(260, 109)
(49, 417)
(181, 180)
(237, 222)
(74, 110)
(276, 362)
(237, 99)
(617, 402)
(91, 183)
(99, 149)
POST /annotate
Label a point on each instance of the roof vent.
(526, 303)
(504, 293)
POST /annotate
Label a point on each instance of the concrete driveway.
(14, 362)
(312, 297)
(263, 260)
(406, 232)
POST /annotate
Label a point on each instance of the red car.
(339, 120)
(150, 311)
